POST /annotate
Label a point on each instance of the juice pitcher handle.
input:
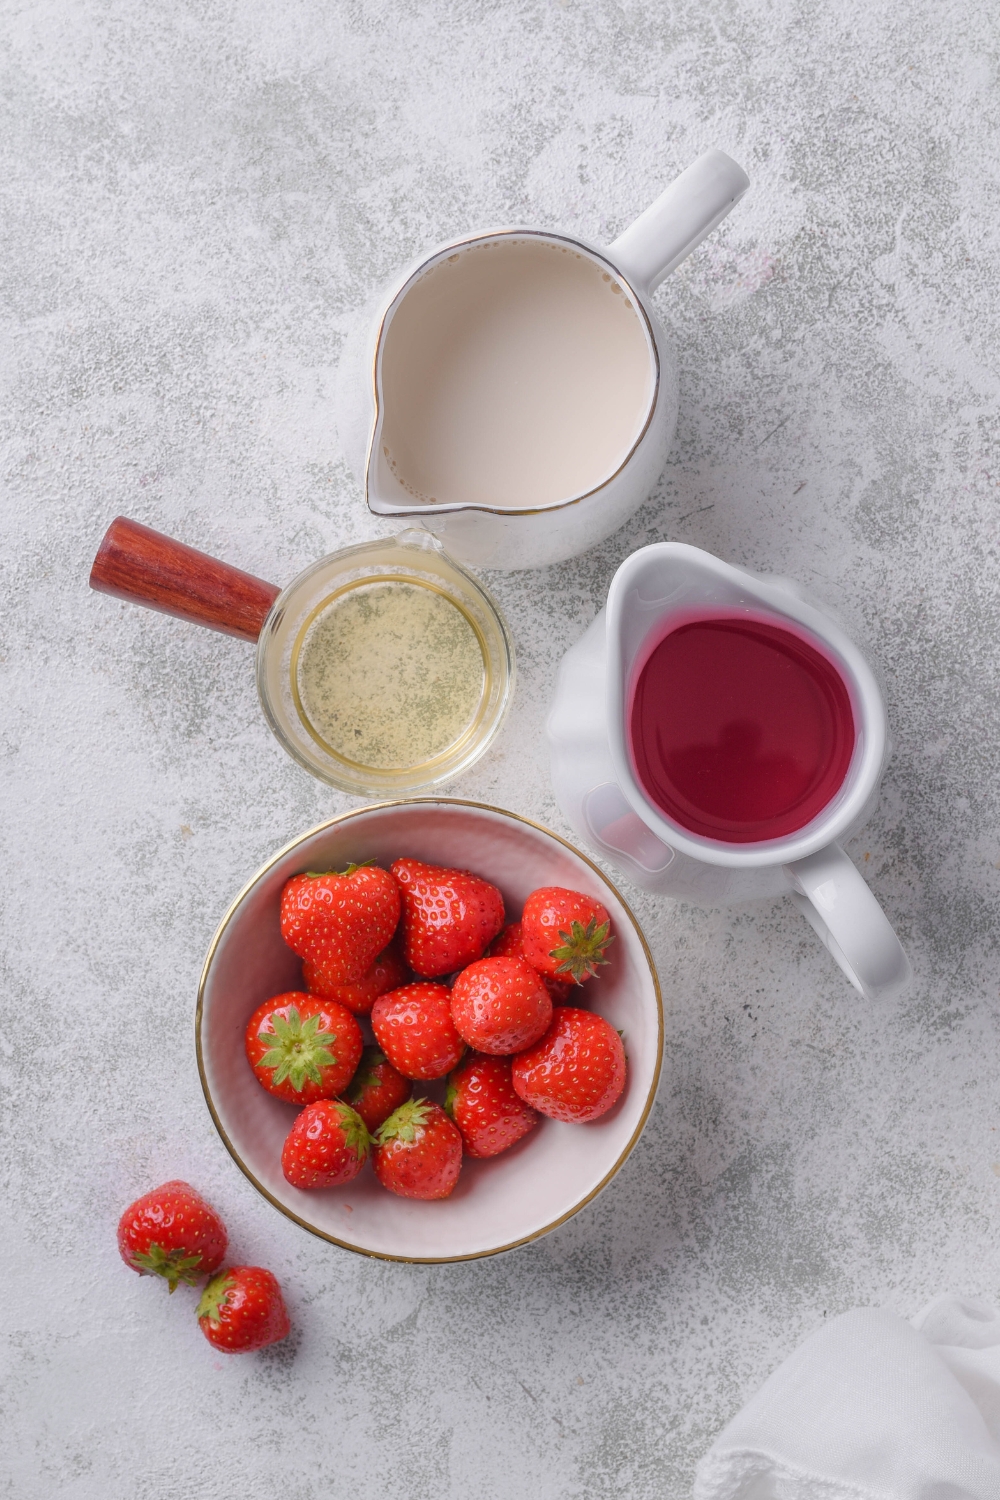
(136, 563)
(839, 905)
(683, 214)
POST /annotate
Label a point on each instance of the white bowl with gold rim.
(500, 1203)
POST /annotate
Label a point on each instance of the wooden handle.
(136, 563)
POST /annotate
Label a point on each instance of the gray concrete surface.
(196, 200)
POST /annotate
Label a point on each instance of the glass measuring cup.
(384, 668)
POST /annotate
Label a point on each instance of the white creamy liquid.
(517, 373)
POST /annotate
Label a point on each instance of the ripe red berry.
(303, 1048)
(565, 933)
(172, 1232)
(242, 1309)
(340, 922)
(326, 1147)
(508, 944)
(414, 1028)
(449, 916)
(376, 1089)
(418, 1151)
(482, 1102)
(500, 1005)
(576, 1072)
(388, 972)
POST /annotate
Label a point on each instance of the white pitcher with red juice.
(717, 737)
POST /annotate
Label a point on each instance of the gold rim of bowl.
(427, 1260)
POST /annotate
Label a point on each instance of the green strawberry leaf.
(356, 1137)
(582, 949)
(321, 874)
(173, 1265)
(365, 1077)
(296, 1049)
(404, 1122)
(213, 1298)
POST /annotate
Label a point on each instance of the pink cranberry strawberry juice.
(740, 729)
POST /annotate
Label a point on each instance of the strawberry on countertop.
(172, 1232)
(449, 916)
(303, 1048)
(242, 1309)
(340, 922)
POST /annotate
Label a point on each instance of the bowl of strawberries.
(429, 1030)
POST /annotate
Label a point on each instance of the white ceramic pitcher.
(597, 790)
(513, 535)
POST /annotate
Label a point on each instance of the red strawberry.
(172, 1232)
(326, 1147)
(500, 1005)
(388, 972)
(482, 1102)
(243, 1309)
(565, 933)
(376, 1089)
(448, 916)
(413, 1026)
(577, 1071)
(303, 1048)
(418, 1151)
(509, 945)
(341, 922)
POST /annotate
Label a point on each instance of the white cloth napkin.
(871, 1407)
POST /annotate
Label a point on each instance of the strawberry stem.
(297, 1049)
(321, 874)
(582, 950)
(173, 1265)
(404, 1122)
(213, 1298)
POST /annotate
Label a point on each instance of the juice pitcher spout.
(683, 215)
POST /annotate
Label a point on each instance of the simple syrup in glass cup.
(383, 668)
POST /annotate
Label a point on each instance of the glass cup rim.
(498, 658)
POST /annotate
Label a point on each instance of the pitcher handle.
(839, 905)
(684, 213)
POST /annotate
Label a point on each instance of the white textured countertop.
(195, 201)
